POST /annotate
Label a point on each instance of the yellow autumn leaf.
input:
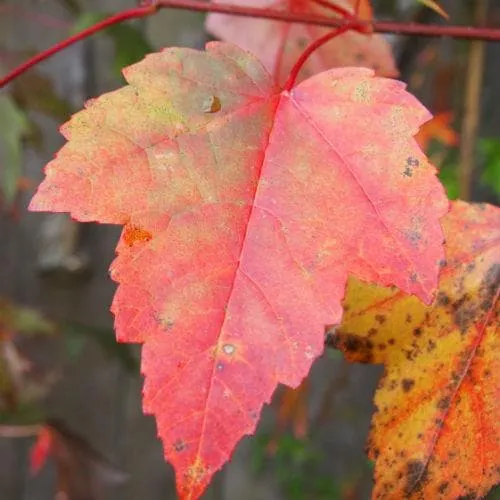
(436, 430)
(435, 7)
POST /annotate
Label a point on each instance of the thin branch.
(463, 32)
(472, 105)
(19, 431)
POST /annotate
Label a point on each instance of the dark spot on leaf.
(444, 403)
(180, 445)
(410, 354)
(359, 347)
(442, 299)
(443, 487)
(382, 347)
(415, 475)
(491, 280)
(487, 304)
(471, 266)
(407, 384)
(413, 277)
(302, 42)
(380, 318)
(464, 313)
(413, 237)
(391, 341)
(431, 345)
(408, 172)
(220, 366)
(417, 332)
(412, 162)
(409, 318)
(372, 332)
(167, 324)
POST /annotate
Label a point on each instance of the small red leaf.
(278, 45)
(41, 450)
(242, 225)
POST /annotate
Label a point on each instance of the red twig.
(105, 23)
(426, 30)
(316, 45)
(463, 32)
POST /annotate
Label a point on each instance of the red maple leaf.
(245, 208)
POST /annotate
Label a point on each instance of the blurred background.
(64, 379)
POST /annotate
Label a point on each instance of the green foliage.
(35, 92)
(75, 336)
(14, 125)
(295, 465)
(448, 175)
(490, 148)
(448, 167)
(129, 43)
(27, 321)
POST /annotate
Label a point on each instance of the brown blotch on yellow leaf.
(407, 384)
(359, 349)
(436, 432)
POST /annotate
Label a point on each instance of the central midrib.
(278, 98)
